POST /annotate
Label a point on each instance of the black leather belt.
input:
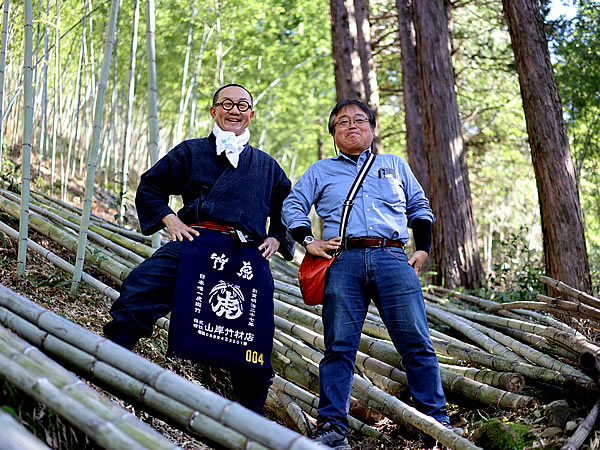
(368, 242)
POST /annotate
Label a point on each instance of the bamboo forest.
(493, 104)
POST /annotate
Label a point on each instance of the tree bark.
(562, 223)
(353, 62)
(415, 147)
(455, 251)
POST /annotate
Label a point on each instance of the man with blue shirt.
(229, 190)
(371, 265)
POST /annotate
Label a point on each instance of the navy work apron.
(223, 305)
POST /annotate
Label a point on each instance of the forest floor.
(49, 287)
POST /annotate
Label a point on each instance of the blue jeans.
(383, 275)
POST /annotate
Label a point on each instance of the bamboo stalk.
(386, 353)
(551, 305)
(124, 181)
(27, 140)
(578, 344)
(3, 46)
(583, 430)
(152, 94)
(15, 436)
(405, 414)
(93, 154)
(566, 289)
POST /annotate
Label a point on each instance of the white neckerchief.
(231, 144)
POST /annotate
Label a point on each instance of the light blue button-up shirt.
(389, 199)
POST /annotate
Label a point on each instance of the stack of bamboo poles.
(486, 355)
(162, 392)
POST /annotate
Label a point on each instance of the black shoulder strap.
(352, 193)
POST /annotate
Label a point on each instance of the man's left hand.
(270, 245)
(417, 260)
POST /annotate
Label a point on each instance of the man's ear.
(212, 111)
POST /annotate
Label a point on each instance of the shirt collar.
(363, 155)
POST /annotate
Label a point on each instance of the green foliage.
(516, 269)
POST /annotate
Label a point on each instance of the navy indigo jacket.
(213, 190)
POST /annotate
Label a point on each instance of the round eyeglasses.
(228, 105)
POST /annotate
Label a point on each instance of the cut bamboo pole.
(385, 352)
(583, 430)
(53, 232)
(508, 381)
(460, 325)
(495, 320)
(539, 343)
(38, 366)
(15, 436)
(552, 305)
(502, 364)
(405, 414)
(530, 354)
(61, 263)
(578, 344)
(294, 412)
(140, 393)
(93, 153)
(118, 249)
(585, 310)
(43, 391)
(566, 289)
(483, 303)
(27, 140)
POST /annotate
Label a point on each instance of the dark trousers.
(147, 295)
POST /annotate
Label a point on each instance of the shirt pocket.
(391, 192)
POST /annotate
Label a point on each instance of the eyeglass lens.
(242, 105)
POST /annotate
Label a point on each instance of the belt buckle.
(382, 242)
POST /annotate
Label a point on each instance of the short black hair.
(342, 104)
(216, 95)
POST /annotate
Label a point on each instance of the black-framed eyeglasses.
(358, 121)
(228, 105)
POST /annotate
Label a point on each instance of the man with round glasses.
(370, 265)
(229, 191)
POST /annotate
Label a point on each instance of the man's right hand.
(177, 229)
(320, 248)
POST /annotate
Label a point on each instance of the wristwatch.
(307, 240)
